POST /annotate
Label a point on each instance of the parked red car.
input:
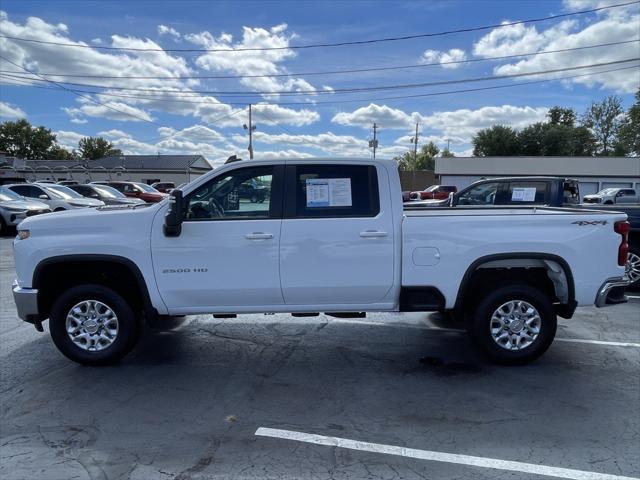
(137, 190)
(434, 192)
(164, 187)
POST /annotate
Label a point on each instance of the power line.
(333, 102)
(329, 72)
(220, 93)
(82, 95)
(325, 45)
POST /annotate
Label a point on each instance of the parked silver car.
(58, 197)
(105, 193)
(14, 208)
(610, 196)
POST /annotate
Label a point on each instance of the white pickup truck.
(330, 236)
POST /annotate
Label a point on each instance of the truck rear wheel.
(93, 325)
(513, 324)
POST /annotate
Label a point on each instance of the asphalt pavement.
(392, 396)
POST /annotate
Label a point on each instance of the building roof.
(130, 162)
(545, 166)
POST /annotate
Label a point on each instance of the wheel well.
(53, 278)
(550, 275)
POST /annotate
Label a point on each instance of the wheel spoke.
(515, 325)
(92, 325)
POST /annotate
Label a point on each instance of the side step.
(346, 314)
(305, 314)
(225, 315)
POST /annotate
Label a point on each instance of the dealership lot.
(187, 403)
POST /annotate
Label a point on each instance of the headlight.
(15, 209)
(24, 234)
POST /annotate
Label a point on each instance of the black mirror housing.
(175, 214)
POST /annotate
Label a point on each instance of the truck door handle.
(373, 234)
(258, 236)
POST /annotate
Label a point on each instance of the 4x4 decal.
(582, 223)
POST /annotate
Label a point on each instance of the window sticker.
(523, 194)
(328, 192)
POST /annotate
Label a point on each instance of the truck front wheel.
(513, 324)
(93, 325)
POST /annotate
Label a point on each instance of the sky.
(298, 108)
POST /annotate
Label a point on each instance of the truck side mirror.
(174, 216)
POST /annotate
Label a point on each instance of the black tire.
(479, 323)
(129, 325)
(254, 198)
(3, 226)
(59, 209)
(608, 202)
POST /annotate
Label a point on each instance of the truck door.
(337, 243)
(227, 252)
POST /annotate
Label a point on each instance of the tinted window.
(119, 186)
(483, 194)
(447, 189)
(527, 193)
(240, 194)
(27, 190)
(334, 191)
(82, 190)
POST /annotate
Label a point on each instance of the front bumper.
(612, 291)
(26, 300)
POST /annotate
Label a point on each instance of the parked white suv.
(331, 236)
(58, 197)
(14, 208)
(610, 196)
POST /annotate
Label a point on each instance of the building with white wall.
(593, 173)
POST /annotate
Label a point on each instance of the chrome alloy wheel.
(515, 325)
(92, 325)
(633, 267)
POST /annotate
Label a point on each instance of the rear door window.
(527, 193)
(330, 191)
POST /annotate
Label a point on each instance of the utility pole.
(374, 143)
(414, 140)
(251, 129)
(448, 142)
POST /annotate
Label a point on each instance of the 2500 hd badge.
(185, 270)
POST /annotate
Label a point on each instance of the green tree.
(58, 153)
(424, 160)
(629, 134)
(93, 148)
(555, 139)
(446, 153)
(604, 119)
(20, 139)
(562, 116)
(498, 141)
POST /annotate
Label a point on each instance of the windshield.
(62, 191)
(108, 192)
(432, 188)
(146, 188)
(606, 191)
(6, 194)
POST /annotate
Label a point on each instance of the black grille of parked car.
(31, 213)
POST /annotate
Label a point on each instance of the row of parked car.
(21, 200)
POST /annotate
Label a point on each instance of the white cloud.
(444, 58)
(79, 121)
(257, 62)
(97, 41)
(614, 25)
(329, 143)
(277, 115)
(112, 110)
(280, 154)
(462, 124)
(68, 140)
(384, 116)
(165, 30)
(11, 111)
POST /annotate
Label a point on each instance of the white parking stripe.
(633, 296)
(483, 462)
(598, 342)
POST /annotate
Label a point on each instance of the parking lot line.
(598, 342)
(455, 458)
